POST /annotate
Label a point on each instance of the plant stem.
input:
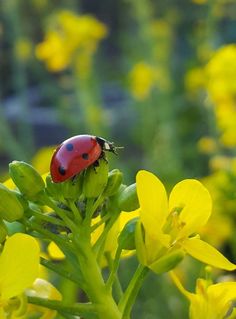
(47, 218)
(95, 286)
(127, 301)
(75, 309)
(60, 270)
(114, 268)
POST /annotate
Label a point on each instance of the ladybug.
(76, 154)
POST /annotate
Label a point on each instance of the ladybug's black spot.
(85, 156)
(61, 170)
(69, 147)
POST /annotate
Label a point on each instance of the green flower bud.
(95, 179)
(14, 227)
(128, 199)
(21, 199)
(10, 207)
(3, 231)
(115, 178)
(140, 244)
(72, 188)
(53, 189)
(167, 262)
(126, 240)
(27, 179)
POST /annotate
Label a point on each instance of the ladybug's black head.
(106, 145)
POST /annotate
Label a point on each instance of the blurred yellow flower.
(41, 160)
(221, 73)
(207, 145)
(69, 39)
(195, 79)
(173, 224)
(210, 301)
(19, 266)
(142, 79)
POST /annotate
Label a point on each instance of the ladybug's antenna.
(117, 148)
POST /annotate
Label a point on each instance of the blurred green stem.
(127, 301)
(12, 13)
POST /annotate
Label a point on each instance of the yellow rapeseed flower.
(210, 301)
(142, 79)
(69, 39)
(43, 289)
(221, 73)
(19, 265)
(172, 224)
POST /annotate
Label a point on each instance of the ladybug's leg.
(74, 179)
(95, 165)
(103, 156)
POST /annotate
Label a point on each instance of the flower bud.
(21, 199)
(27, 179)
(128, 199)
(115, 178)
(72, 188)
(167, 262)
(126, 239)
(10, 207)
(53, 189)
(14, 227)
(95, 179)
(3, 231)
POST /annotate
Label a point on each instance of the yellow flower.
(42, 158)
(69, 39)
(211, 301)
(221, 72)
(43, 289)
(19, 264)
(142, 78)
(207, 145)
(195, 79)
(172, 224)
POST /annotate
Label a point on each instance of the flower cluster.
(71, 40)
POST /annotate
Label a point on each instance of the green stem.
(49, 235)
(75, 309)
(95, 286)
(75, 210)
(127, 301)
(60, 270)
(102, 221)
(47, 218)
(98, 247)
(89, 212)
(114, 268)
(61, 213)
(116, 282)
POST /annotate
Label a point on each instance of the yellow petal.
(19, 265)
(153, 202)
(55, 252)
(195, 203)
(207, 254)
(225, 291)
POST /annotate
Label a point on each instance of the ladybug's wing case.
(74, 155)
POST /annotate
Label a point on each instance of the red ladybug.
(76, 154)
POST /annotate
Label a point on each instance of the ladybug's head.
(106, 145)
